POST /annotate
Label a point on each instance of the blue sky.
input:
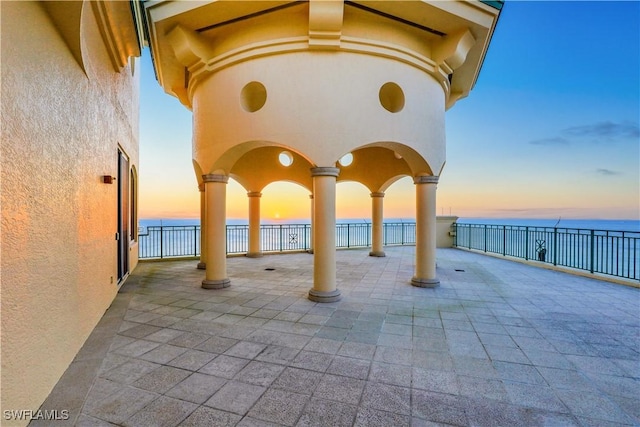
(551, 128)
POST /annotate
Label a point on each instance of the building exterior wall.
(62, 125)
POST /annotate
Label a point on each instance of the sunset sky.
(550, 129)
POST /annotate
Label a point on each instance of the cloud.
(607, 130)
(607, 172)
(550, 141)
(596, 133)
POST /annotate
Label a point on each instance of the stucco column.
(377, 220)
(425, 276)
(324, 231)
(215, 191)
(255, 249)
(203, 229)
(312, 227)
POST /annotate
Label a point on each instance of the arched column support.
(425, 275)
(255, 245)
(377, 224)
(324, 226)
(215, 190)
(202, 265)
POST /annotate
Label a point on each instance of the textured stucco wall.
(444, 235)
(321, 107)
(61, 128)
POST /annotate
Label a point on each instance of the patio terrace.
(498, 343)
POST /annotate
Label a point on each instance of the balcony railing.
(615, 253)
(184, 241)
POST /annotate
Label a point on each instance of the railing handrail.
(610, 252)
(467, 224)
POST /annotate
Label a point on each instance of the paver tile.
(279, 406)
(204, 416)
(236, 397)
(162, 412)
(197, 388)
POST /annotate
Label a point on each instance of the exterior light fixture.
(108, 179)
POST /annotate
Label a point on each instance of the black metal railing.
(615, 253)
(168, 241)
(184, 241)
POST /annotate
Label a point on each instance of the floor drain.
(269, 269)
(459, 269)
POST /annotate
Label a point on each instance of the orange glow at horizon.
(284, 201)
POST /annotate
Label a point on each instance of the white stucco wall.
(322, 104)
(61, 128)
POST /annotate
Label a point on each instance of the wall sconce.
(108, 179)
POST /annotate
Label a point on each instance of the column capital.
(215, 178)
(377, 194)
(425, 179)
(254, 194)
(325, 171)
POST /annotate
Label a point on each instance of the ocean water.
(588, 224)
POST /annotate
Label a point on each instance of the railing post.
(455, 234)
(384, 234)
(195, 242)
(555, 246)
(280, 237)
(348, 235)
(504, 240)
(161, 241)
(485, 237)
(592, 251)
(526, 243)
(304, 238)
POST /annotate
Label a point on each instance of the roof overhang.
(456, 34)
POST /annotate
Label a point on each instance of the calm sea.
(590, 224)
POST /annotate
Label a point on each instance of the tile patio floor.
(497, 344)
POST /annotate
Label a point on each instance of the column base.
(254, 255)
(320, 296)
(202, 266)
(216, 284)
(379, 254)
(425, 283)
(310, 251)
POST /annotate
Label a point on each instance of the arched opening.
(285, 202)
(400, 200)
(353, 202)
(133, 193)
